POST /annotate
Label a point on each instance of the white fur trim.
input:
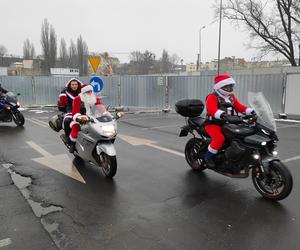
(71, 96)
(73, 123)
(86, 89)
(74, 79)
(249, 110)
(72, 139)
(62, 94)
(75, 116)
(213, 151)
(218, 114)
(223, 83)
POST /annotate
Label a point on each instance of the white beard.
(89, 101)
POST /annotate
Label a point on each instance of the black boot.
(72, 147)
(209, 159)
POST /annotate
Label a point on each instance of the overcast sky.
(123, 26)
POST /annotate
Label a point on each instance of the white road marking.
(295, 158)
(289, 126)
(61, 163)
(166, 150)
(287, 120)
(167, 126)
(42, 122)
(37, 123)
(135, 141)
(5, 242)
(38, 149)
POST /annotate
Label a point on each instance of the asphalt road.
(154, 202)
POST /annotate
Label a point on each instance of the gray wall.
(149, 91)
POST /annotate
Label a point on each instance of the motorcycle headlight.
(108, 130)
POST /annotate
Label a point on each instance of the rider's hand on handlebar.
(82, 119)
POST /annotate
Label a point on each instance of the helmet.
(224, 84)
(226, 90)
(55, 123)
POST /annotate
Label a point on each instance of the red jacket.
(215, 108)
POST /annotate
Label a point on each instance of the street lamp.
(220, 25)
(199, 55)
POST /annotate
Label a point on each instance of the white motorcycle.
(95, 142)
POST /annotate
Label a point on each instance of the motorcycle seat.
(197, 121)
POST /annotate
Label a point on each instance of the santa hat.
(86, 88)
(223, 80)
(80, 84)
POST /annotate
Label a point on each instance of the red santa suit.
(80, 107)
(217, 104)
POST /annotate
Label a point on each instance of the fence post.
(33, 90)
(119, 91)
(284, 91)
(167, 104)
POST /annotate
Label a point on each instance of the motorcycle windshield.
(263, 109)
(99, 111)
(11, 97)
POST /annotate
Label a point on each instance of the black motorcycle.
(250, 143)
(9, 109)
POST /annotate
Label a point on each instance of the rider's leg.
(215, 132)
(67, 128)
(73, 136)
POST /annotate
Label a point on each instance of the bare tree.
(63, 53)
(3, 50)
(53, 47)
(82, 53)
(85, 58)
(49, 45)
(73, 62)
(274, 24)
(28, 50)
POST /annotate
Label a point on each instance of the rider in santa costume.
(82, 105)
(220, 104)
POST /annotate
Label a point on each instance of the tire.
(108, 165)
(277, 185)
(195, 150)
(18, 118)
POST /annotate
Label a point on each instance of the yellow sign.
(95, 62)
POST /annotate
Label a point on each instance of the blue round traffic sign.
(97, 84)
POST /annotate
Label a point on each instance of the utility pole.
(220, 26)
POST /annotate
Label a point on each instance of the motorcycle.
(95, 142)
(9, 109)
(250, 143)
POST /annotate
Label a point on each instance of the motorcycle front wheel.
(195, 150)
(108, 165)
(277, 184)
(18, 118)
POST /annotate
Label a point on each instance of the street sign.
(97, 84)
(95, 62)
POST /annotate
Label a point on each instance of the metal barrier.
(147, 91)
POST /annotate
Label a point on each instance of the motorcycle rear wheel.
(195, 150)
(277, 185)
(18, 118)
(108, 165)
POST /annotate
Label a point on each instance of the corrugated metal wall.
(18, 84)
(181, 87)
(143, 91)
(147, 91)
